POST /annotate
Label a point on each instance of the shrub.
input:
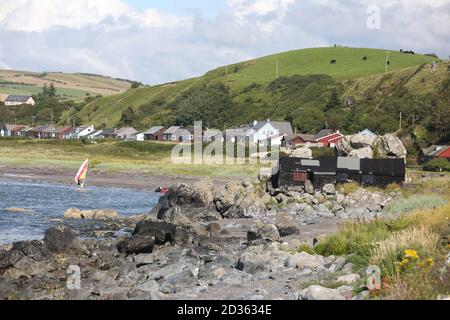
(415, 203)
(349, 187)
(306, 248)
(438, 164)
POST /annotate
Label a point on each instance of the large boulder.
(286, 225)
(100, 214)
(240, 200)
(162, 231)
(165, 232)
(390, 145)
(363, 153)
(31, 251)
(316, 292)
(60, 238)
(359, 141)
(304, 152)
(184, 204)
(344, 146)
(263, 231)
(136, 244)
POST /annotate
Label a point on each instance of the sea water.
(48, 201)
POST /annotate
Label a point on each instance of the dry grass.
(390, 250)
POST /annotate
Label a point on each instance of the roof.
(324, 164)
(283, 126)
(212, 133)
(14, 98)
(307, 137)
(323, 133)
(172, 130)
(11, 127)
(153, 130)
(367, 132)
(125, 131)
(434, 150)
(108, 132)
(182, 131)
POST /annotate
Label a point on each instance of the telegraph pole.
(226, 67)
(400, 122)
(277, 69)
(387, 62)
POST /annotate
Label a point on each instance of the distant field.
(73, 86)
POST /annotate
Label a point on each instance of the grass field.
(110, 156)
(74, 86)
(317, 61)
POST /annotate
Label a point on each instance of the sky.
(158, 41)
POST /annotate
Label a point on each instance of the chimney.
(255, 123)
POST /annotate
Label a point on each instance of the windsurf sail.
(80, 178)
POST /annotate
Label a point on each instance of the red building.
(444, 153)
(330, 140)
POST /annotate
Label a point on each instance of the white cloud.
(41, 15)
(109, 37)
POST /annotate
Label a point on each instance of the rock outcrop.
(202, 202)
(366, 147)
(101, 214)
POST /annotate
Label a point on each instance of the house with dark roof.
(125, 133)
(16, 100)
(155, 133)
(169, 134)
(11, 130)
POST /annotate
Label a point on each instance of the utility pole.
(387, 62)
(277, 69)
(400, 122)
(226, 67)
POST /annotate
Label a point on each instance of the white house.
(94, 135)
(213, 135)
(14, 100)
(264, 130)
(81, 132)
(140, 136)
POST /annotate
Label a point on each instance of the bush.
(438, 164)
(413, 203)
(349, 187)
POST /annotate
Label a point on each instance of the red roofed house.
(328, 138)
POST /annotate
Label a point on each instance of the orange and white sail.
(82, 173)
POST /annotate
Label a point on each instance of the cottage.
(107, 134)
(154, 133)
(168, 134)
(213, 135)
(15, 100)
(262, 131)
(94, 135)
(125, 133)
(64, 133)
(328, 138)
(292, 141)
(11, 130)
(435, 151)
(81, 132)
(183, 135)
(139, 136)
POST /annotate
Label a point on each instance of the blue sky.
(208, 8)
(158, 41)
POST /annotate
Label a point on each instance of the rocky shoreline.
(238, 241)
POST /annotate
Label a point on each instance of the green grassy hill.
(155, 104)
